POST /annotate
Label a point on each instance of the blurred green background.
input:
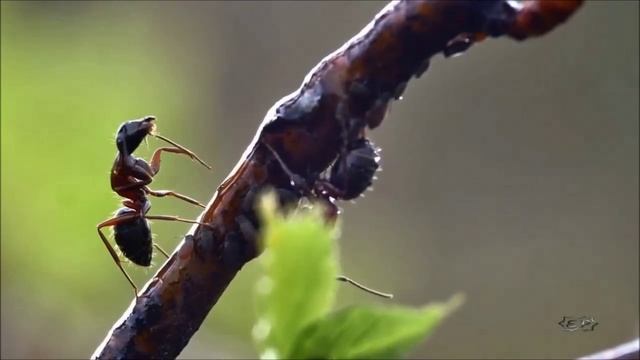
(510, 173)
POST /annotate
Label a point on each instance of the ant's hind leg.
(176, 218)
(163, 193)
(161, 250)
(114, 255)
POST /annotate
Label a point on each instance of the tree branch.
(346, 92)
(627, 351)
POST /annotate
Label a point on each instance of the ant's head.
(131, 133)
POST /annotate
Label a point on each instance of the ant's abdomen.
(133, 237)
(354, 172)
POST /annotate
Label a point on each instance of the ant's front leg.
(163, 193)
(297, 181)
(177, 149)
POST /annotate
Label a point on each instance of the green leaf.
(298, 285)
(370, 332)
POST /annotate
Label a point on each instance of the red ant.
(129, 179)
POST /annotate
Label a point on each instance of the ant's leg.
(133, 185)
(160, 249)
(364, 288)
(328, 193)
(296, 180)
(326, 188)
(163, 193)
(177, 149)
(176, 218)
(331, 210)
(114, 255)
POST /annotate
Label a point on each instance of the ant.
(130, 177)
(352, 173)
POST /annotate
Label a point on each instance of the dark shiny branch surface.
(627, 351)
(345, 94)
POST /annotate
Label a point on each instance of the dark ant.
(354, 171)
(351, 174)
(129, 179)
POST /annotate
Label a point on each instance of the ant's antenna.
(364, 288)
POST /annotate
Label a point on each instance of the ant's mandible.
(130, 177)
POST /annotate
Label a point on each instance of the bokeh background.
(510, 173)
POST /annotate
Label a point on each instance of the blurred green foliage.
(64, 93)
(368, 332)
(298, 283)
(297, 291)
